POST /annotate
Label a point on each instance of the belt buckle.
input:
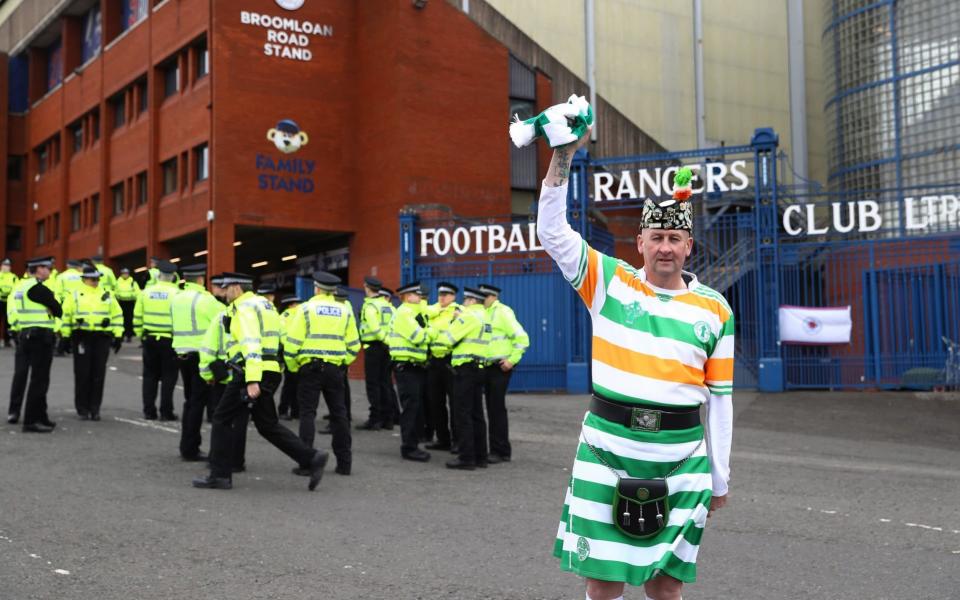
(643, 419)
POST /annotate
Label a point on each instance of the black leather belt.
(402, 365)
(644, 418)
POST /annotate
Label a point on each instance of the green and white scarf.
(559, 125)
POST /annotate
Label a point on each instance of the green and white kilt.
(588, 543)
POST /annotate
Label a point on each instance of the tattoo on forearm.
(563, 165)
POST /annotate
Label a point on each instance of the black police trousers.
(288, 395)
(411, 381)
(91, 349)
(127, 307)
(379, 383)
(439, 392)
(196, 398)
(230, 420)
(4, 322)
(468, 384)
(321, 377)
(496, 385)
(159, 367)
(32, 362)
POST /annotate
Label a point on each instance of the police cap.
(194, 270)
(91, 273)
(473, 293)
(489, 290)
(230, 278)
(267, 288)
(373, 283)
(327, 282)
(40, 261)
(445, 287)
(410, 288)
(166, 267)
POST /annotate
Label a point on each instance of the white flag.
(813, 325)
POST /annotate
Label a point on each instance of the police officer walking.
(216, 350)
(153, 325)
(254, 325)
(508, 342)
(192, 310)
(321, 338)
(93, 322)
(288, 407)
(127, 291)
(34, 317)
(439, 370)
(408, 341)
(469, 340)
(8, 279)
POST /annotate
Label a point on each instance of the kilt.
(589, 544)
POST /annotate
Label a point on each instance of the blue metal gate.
(531, 285)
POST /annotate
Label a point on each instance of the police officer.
(254, 325)
(152, 272)
(343, 297)
(439, 371)
(216, 288)
(269, 291)
(109, 280)
(153, 325)
(288, 408)
(322, 337)
(468, 338)
(68, 281)
(390, 403)
(217, 349)
(376, 365)
(408, 340)
(64, 285)
(93, 321)
(508, 342)
(127, 291)
(34, 319)
(192, 310)
(8, 279)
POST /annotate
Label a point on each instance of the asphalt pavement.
(834, 495)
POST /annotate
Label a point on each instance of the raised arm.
(560, 241)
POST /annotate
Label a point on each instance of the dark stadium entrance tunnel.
(283, 254)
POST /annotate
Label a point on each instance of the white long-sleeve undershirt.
(565, 246)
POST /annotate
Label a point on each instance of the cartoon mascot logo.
(287, 137)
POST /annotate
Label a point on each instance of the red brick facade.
(399, 106)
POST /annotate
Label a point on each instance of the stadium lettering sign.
(479, 239)
(934, 213)
(286, 37)
(645, 183)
